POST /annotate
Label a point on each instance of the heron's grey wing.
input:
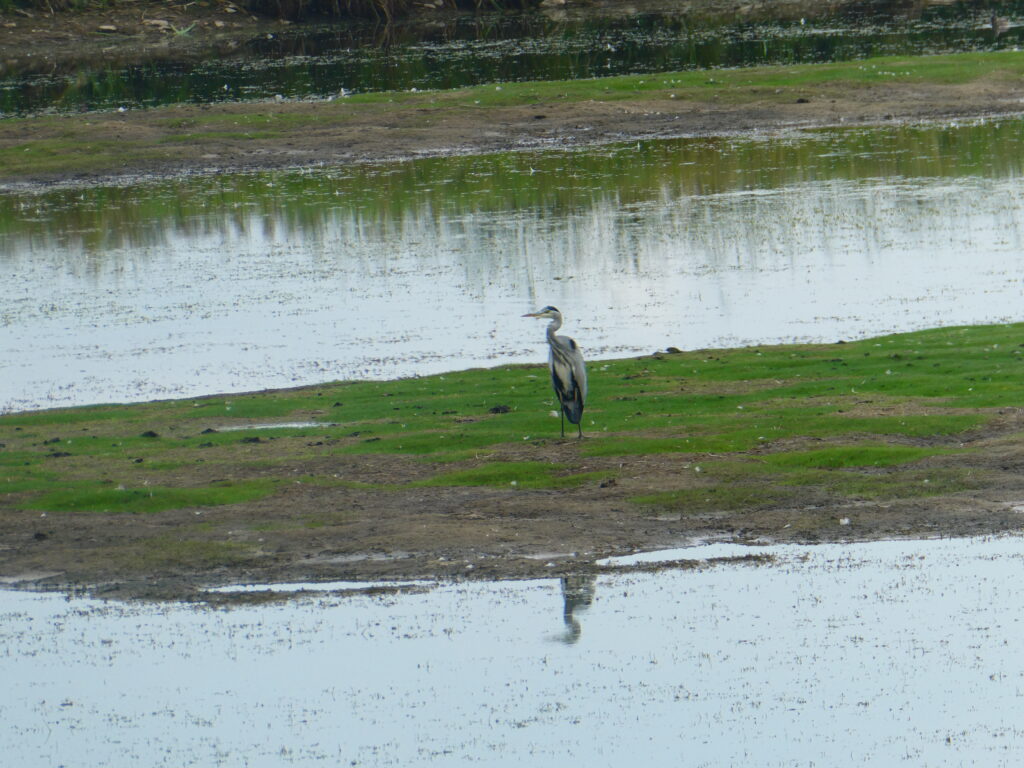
(579, 370)
(569, 377)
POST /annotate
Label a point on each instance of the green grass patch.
(857, 455)
(69, 416)
(26, 484)
(742, 84)
(147, 499)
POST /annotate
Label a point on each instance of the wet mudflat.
(845, 654)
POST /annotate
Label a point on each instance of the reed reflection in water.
(197, 287)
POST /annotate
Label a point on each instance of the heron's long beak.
(532, 314)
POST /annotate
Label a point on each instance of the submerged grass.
(878, 418)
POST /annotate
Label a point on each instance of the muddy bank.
(336, 134)
(102, 146)
(361, 529)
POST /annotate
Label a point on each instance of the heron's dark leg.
(562, 414)
(580, 428)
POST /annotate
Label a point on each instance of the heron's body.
(568, 372)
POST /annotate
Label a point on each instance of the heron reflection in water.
(1000, 25)
(577, 594)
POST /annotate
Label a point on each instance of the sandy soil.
(331, 533)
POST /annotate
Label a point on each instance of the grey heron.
(568, 374)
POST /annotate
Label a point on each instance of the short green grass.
(78, 497)
(869, 418)
(846, 456)
(737, 85)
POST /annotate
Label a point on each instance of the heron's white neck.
(556, 323)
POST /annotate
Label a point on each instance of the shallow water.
(236, 283)
(863, 654)
(453, 52)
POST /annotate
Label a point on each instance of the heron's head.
(548, 312)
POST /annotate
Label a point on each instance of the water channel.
(884, 653)
(225, 283)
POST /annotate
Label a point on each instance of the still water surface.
(886, 653)
(234, 283)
